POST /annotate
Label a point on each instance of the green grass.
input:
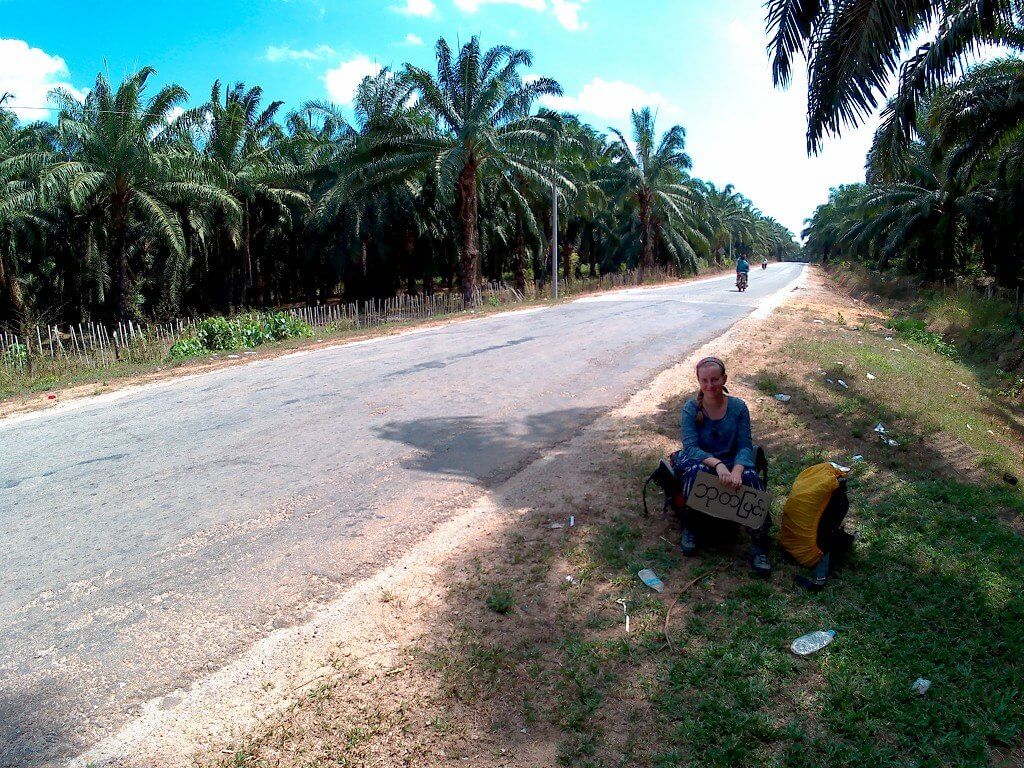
(918, 393)
(934, 589)
(500, 600)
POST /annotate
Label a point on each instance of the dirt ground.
(456, 654)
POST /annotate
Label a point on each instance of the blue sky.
(701, 64)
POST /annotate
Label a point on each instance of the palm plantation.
(129, 207)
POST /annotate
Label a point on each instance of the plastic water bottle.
(810, 643)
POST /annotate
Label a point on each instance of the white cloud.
(566, 12)
(416, 8)
(342, 80)
(612, 100)
(28, 74)
(412, 39)
(472, 6)
(284, 53)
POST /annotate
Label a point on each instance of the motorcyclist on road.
(742, 265)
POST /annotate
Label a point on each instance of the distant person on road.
(764, 262)
(715, 428)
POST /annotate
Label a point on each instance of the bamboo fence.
(40, 350)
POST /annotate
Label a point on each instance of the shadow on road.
(480, 449)
(27, 736)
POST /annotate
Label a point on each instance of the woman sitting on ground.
(716, 439)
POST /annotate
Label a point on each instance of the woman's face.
(712, 380)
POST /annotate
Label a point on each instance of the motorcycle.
(741, 281)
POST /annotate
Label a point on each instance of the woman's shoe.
(759, 562)
(687, 542)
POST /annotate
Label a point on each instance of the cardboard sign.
(746, 506)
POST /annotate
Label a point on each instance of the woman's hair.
(701, 413)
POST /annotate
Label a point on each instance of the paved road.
(149, 540)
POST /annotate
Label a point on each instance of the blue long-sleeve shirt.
(727, 439)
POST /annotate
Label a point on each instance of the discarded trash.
(880, 428)
(625, 612)
(992, 433)
(820, 322)
(893, 349)
(51, 397)
(843, 384)
(969, 427)
(783, 398)
(921, 686)
(233, 357)
(648, 577)
(570, 579)
(890, 442)
(1010, 479)
(857, 458)
(829, 381)
(974, 519)
(888, 338)
(572, 521)
(840, 467)
(812, 642)
(872, 377)
(553, 526)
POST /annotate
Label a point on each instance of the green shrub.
(913, 329)
(189, 346)
(283, 325)
(217, 333)
(16, 354)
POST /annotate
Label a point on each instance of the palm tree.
(729, 217)
(20, 218)
(481, 125)
(853, 49)
(242, 152)
(652, 182)
(116, 158)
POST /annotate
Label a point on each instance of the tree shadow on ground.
(32, 733)
(484, 451)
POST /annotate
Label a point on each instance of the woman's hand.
(737, 477)
(725, 476)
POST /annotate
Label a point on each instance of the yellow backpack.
(802, 513)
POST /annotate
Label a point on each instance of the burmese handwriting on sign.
(746, 506)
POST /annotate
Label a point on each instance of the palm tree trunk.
(410, 260)
(519, 257)
(119, 252)
(468, 201)
(11, 287)
(646, 254)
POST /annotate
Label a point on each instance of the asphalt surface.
(146, 541)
